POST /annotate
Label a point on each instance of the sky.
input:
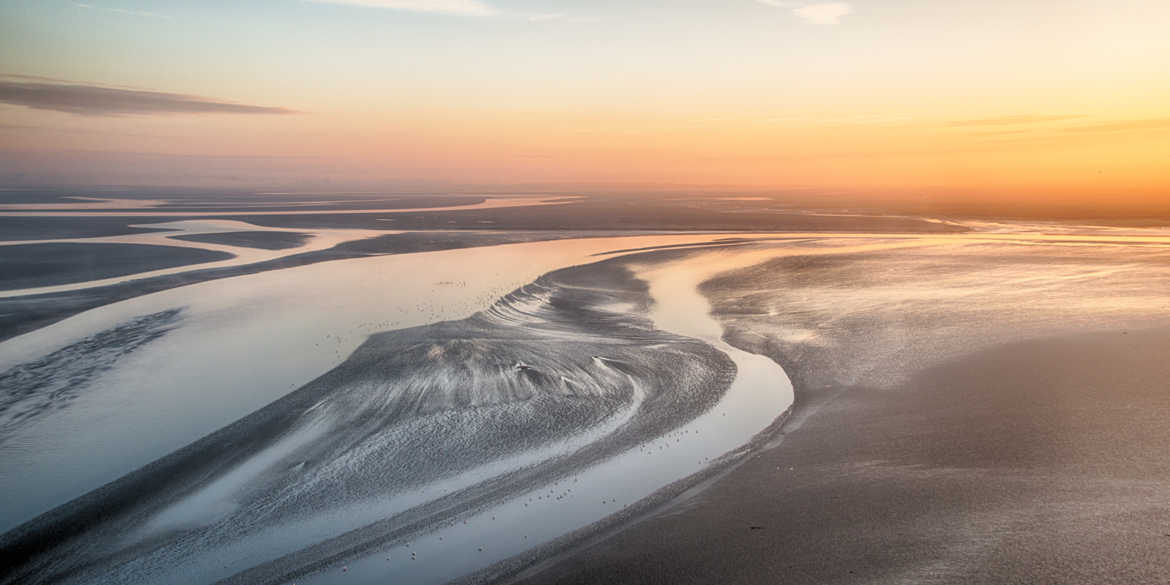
(1039, 99)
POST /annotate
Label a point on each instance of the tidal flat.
(429, 407)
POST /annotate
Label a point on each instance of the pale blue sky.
(411, 88)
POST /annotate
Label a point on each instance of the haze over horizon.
(1036, 101)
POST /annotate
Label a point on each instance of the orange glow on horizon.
(973, 101)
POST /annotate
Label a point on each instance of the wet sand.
(21, 314)
(1040, 461)
(534, 370)
(921, 449)
(265, 240)
(43, 265)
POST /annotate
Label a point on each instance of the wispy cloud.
(123, 11)
(1033, 130)
(825, 13)
(816, 13)
(467, 8)
(455, 7)
(562, 17)
(98, 100)
(1013, 120)
(1124, 125)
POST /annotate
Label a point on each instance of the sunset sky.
(995, 98)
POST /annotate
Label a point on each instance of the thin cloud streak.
(817, 13)
(123, 11)
(96, 100)
(561, 17)
(1013, 120)
(1027, 125)
(453, 7)
(824, 13)
(1124, 125)
(465, 8)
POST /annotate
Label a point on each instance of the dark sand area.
(38, 196)
(597, 213)
(233, 200)
(35, 265)
(1040, 461)
(264, 240)
(53, 228)
(591, 213)
(832, 204)
(308, 202)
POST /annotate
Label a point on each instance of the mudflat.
(48, 264)
(1039, 461)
